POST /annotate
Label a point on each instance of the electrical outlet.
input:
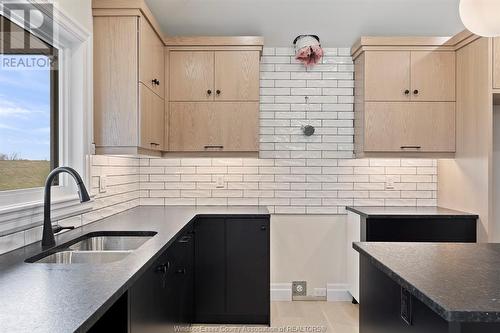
(102, 184)
(389, 184)
(220, 182)
(299, 288)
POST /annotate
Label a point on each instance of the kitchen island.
(429, 287)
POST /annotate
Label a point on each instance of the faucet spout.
(48, 239)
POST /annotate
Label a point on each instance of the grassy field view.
(23, 174)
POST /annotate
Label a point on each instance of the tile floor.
(299, 317)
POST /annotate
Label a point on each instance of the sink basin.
(84, 257)
(110, 243)
(95, 248)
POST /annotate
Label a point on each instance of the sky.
(25, 112)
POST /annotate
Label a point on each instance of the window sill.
(27, 215)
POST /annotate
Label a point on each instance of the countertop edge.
(463, 215)
(448, 315)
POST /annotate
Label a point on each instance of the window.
(29, 112)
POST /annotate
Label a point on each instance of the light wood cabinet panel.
(204, 126)
(115, 81)
(193, 126)
(432, 76)
(152, 119)
(387, 75)
(239, 125)
(191, 76)
(237, 75)
(496, 63)
(151, 55)
(409, 127)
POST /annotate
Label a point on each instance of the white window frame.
(21, 209)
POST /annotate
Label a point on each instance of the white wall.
(79, 10)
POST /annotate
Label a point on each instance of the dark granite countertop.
(406, 212)
(67, 298)
(459, 281)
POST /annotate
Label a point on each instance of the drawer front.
(409, 127)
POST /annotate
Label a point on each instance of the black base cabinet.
(216, 271)
(232, 270)
(381, 308)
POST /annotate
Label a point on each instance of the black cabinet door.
(210, 266)
(247, 270)
(232, 273)
(149, 299)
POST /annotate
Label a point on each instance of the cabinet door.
(387, 75)
(496, 63)
(151, 54)
(237, 75)
(152, 111)
(238, 125)
(191, 76)
(115, 81)
(193, 127)
(210, 270)
(409, 127)
(151, 299)
(432, 76)
(248, 270)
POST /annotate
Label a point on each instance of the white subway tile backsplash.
(294, 174)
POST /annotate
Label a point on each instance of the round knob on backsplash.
(308, 130)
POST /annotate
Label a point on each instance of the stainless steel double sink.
(95, 248)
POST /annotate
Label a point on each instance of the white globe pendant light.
(481, 17)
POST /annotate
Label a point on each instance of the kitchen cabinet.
(151, 67)
(409, 76)
(164, 295)
(191, 76)
(413, 126)
(232, 270)
(152, 122)
(379, 224)
(214, 75)
(129, 112)
(496, 63)
(208, 126)
(404, 98)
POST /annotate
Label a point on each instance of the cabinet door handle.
(163, 269)
(218, 92)
(214, 147)
(415, 92)
(411, 147)
(407, 92)
(155, 82)
(263, 227)
(181, 271)
(209, 92)
(185, 239)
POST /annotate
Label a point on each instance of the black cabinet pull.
(181, 271)
(263, 227)
(155, 82)
(163, 268)
(218, 92)
(411, 147)
(185, 239)
(214, 147)
(415, 92)
(209, 92)
(407, 92)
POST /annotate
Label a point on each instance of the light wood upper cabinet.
(129, 116)
(191, 75)
(387, 75)
(151, 70)
(237, 75)
(115, 82)
(410, 127)
(152, 119)
(209, 127)
(432, 76)
(496, 63)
